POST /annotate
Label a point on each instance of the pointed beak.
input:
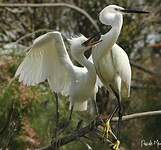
(93, 40)
(134, 11)
(91, 43)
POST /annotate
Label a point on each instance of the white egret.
(49, 59)
(110, 60)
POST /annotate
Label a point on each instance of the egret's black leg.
(57, 113)
(120, 117)
(97, 111)
(79, 124)
(96, 107)
(119, 111)
(57, 117)
(113, 113)
(107, 127)
(70, 115)
(110, 118)
(67, 123)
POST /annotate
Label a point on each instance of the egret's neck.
(86, 63)
(109, 39)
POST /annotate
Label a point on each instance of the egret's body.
(117, 74)
(111, 62)
(48, 59)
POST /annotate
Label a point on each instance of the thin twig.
(33, 5)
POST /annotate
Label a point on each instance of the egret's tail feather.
(126, 92)
(79, 106)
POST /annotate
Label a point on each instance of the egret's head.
(108, 14)
(79, 46)
(76, 43)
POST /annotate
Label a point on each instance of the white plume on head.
(75, 38)
(76, 46)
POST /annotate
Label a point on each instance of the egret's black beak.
(133, 11)
(93, 40)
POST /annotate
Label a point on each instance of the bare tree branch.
(139, 115)
(75, 135)
(53, 5)
(69, 138)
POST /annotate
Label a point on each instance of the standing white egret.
(110, 60)
(48, 59)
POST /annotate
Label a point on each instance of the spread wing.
(47, 59)
(122, 65)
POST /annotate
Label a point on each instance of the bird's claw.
(107, 129)
(116, 145)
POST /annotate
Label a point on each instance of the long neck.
(86, 63)
(109, 39)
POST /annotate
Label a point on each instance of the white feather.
(122, 66)
(45, 61)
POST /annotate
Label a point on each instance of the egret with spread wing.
(49, 59)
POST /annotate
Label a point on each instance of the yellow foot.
(107, 129)
(116, 145)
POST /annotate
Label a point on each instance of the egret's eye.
(118, 9)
